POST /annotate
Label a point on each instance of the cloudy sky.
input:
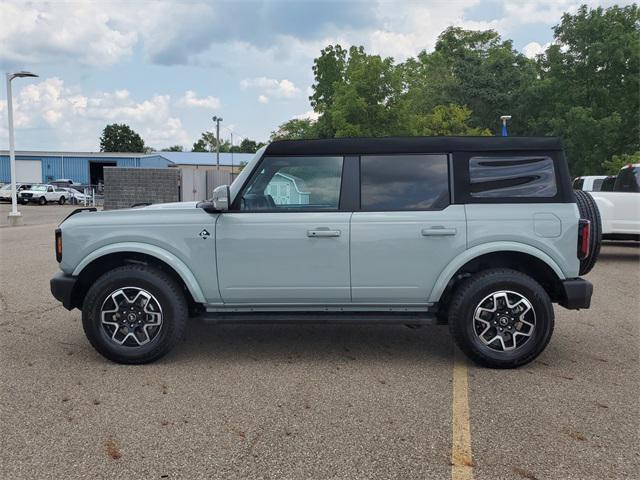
(165, 67)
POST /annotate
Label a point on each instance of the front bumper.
(576, 293)
(62, 287)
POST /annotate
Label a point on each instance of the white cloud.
(532, 49)
(263, 99)
(81, 31)
(80, 118)
(308, 115)
(272, 87)
(190, 99)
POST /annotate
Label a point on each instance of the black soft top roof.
(386, 145)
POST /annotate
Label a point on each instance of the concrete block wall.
(124, 187)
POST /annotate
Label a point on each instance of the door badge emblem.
(204, 234)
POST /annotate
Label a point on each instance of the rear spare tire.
(589, 211)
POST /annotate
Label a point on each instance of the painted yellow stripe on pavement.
(461, 457)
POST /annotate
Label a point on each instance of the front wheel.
(501, 318)
(134, 314)
(42, 201)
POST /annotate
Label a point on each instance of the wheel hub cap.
(504, 320)
(131, 316)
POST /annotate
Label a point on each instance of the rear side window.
(404, 182)
(597, 184)
(628, 180)
(516, 176)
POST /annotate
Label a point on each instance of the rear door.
(286, 240)
(406, 232)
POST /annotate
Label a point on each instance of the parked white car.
(591, 183)
(620, 208)
(75, 196)
(43, 194)
(5, 190)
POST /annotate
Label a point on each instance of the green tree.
(588, 84)
(482, 71)
(295, 129)
(355, 93)
(445, 120)
(173, 148)
(120, 138)
(249, 146)
(615, 163)
(207, 143)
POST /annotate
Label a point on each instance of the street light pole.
(217, 119)
(15, 217)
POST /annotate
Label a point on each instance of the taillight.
(58, 245)
(584, 235)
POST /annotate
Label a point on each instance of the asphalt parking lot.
(310, 401)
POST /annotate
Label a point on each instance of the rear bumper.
(576, 293)
(62, 286)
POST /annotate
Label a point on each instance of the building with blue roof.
(87, 168)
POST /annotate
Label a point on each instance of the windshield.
(235, 187)
(39, 188)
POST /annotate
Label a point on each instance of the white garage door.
(29, 171)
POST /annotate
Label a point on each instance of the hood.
(173, 205)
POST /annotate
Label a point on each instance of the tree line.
(120, 137)
(584, 87)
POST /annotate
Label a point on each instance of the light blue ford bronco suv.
(483, 233)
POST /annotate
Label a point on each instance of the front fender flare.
(474, 252)
(161, 254)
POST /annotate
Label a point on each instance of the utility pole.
(217, 119)
(231, 155)
(15, 217)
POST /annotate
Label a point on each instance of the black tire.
(169, 296)
(62, 201)
(588, 209)
(42, 201)
(471, 293)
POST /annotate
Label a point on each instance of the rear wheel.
(588, 209)
(134, 314)
(501, 318)
(62, 201)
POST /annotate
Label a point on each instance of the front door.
(406, 232)
(285, 241)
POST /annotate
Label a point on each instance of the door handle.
(323, 232)
(438, 231)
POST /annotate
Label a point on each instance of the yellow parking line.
(461, 457)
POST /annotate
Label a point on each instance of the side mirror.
(220, 198)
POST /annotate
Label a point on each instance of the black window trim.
(449, 182)
(564, 190)
(235, 206)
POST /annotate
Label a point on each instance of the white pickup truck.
(620, 208)
(42, 194)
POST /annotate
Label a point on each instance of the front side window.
(404, 182)
(517, 176)
(294, 183)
